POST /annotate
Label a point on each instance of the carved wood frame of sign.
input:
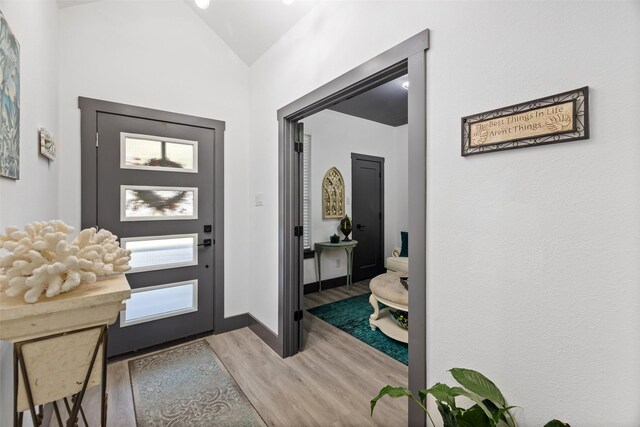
(553, 119)
(333, 194)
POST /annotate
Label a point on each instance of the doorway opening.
(407, 58)
(354, 179)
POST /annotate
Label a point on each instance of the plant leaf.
(475, 417)
(441, 392)
(479, 384)
(556, 423)
(448, 418)
(498, 414)
(462, 392)
(390, 391)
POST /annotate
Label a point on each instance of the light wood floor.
(335, 294)
(329, 383)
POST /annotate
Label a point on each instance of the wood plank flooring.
(329, 383)
(335, 294)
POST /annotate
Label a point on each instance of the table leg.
(349, 266)
(318, 269)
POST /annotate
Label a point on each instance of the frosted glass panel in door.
(156, 153)
(144, 203)
(160, 252)
(159, 302)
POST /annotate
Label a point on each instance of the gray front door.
(155, 190)
(367, 191)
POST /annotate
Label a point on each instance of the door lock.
(205, 242)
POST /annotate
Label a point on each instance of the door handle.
(360, 226)
(205, 242)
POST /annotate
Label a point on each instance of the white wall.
(158, 55)
(34, 24)
(334, 136)
(34, 197)
(533, 254)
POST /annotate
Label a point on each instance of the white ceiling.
(249, 27)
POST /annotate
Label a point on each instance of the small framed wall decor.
(553, 119)
(47, 144)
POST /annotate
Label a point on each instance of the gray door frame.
(89, 109)
(366, 157)
(408, 57)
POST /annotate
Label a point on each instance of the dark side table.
(347, 246)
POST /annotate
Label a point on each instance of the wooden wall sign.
(557, 118)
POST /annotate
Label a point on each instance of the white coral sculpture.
(41, 260)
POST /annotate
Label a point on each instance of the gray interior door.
(155, 190)
(367, 193)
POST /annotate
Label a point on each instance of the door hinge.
(298, 147)
(298, 315)
(97, 139)
(298, 231)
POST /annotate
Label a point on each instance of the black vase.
(345, 227)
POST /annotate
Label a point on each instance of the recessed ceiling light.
(202, 4)
(287, 2)
(405, 85)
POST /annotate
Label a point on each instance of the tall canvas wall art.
(9, 102)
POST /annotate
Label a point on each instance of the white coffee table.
(387, 289)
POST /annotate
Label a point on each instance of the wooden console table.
(347, 246)
(60, 346)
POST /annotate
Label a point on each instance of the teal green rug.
(352, 316)
(188, 386)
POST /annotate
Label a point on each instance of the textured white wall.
(533, 254)
(334, 136)
(158, 55)
(34, 197)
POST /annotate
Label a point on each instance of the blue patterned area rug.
(188, 386)
(352, 316)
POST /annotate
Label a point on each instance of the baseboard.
(326, 284)
(232, 323)
(265, 334)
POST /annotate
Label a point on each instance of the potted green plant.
(490, 408)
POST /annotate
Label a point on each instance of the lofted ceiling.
(386, 104)
(249, 27)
